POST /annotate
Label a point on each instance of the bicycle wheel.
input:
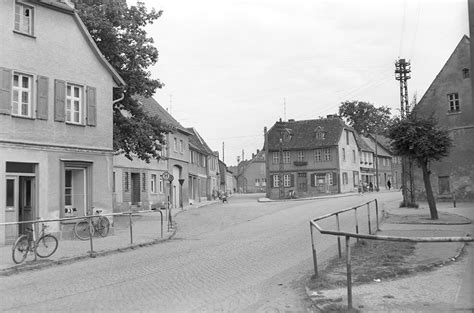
(83, 230)
(20, 249)
(103, 226)
(46, 246)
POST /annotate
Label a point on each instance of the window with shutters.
(286, 157)
(22, 95)
(287, 180)
(74, 103)
(24, 19)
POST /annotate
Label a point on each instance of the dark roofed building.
(311, 157)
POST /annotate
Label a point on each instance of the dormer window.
(465, 73)
(319, 133)
(24, 19)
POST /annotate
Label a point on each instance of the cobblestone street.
(242, 256)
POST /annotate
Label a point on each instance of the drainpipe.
(119, 99)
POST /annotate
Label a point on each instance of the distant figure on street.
(389, 184)
(371, 186)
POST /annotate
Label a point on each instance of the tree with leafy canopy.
(422, 140)
(364, 117)
(118, 30)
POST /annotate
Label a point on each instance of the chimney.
(258, 151)
(253, 155)
(291, 120)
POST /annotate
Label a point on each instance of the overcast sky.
(230, 65)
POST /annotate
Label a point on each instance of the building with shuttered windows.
(311, 158)
(56, 94)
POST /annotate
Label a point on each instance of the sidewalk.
(446, 286)
(146, 231)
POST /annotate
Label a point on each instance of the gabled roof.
(381, 150)
(196, 141)
(464, 43)
(153, 108)
(363, 146)
(65, 8)
(303, 133)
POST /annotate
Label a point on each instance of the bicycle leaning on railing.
(44, 246)
(100, 224)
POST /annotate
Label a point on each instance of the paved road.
(242, 256)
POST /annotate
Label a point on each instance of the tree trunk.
(429, 191)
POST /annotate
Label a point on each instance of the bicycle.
(43, 247)
(84, 230)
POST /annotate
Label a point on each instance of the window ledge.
(74, 124)
(453, 112)
(23, 117)
(24, 34)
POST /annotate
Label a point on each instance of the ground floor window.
(345, 179)
(76, 188)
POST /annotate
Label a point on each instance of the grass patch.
(371, 260)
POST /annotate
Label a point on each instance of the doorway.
(20, 204)
(135, 178)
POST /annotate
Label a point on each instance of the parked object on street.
(84, 229)
(44, 247)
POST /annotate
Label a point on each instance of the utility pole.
(402, 74)
(284, 109)
(223, 152)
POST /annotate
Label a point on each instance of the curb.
(68, 260)
(263, 200)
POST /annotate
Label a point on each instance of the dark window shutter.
(42, 98)
(292, 180)
(5, 91)
(334, 178)
(91, 106)
(59, 100)
(313, 180)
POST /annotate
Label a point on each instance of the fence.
(129, 214)
(358, 236)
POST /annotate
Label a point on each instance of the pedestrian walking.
(389, 184)
(371, 186)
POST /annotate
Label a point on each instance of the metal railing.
(358, 236)
(90, 217)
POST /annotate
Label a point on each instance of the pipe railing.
(358, 236)
(89, 219)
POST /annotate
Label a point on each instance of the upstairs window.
(276, 157)
(24, 19)
(300, 156)
(327, 154)
(22, 95)
(465, 73)
(74, 103)
(453, 100)
(286, 157)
